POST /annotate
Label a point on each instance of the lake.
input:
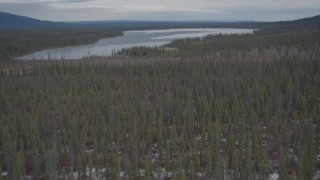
(150, 38)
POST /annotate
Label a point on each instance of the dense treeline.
(300, 25)
(302, 34)
(15, 43)
(212, 44)
(229, 116)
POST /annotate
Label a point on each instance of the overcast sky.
(84, 10)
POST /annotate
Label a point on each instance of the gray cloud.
(75, 10)
(270, 14)
(34, 10)
(71, 1)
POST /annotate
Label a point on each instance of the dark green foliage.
(238, 112)
(235, 45)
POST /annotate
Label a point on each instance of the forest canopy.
(219, 107)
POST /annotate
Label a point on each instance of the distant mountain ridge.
(11, 21)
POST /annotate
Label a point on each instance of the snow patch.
(273, 176)
(4, 174)
(317, 176)
(121, 174)
(142, 172)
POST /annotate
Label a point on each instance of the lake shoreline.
(106, 47)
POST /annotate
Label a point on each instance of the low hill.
(11, 21)
(310, 23)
